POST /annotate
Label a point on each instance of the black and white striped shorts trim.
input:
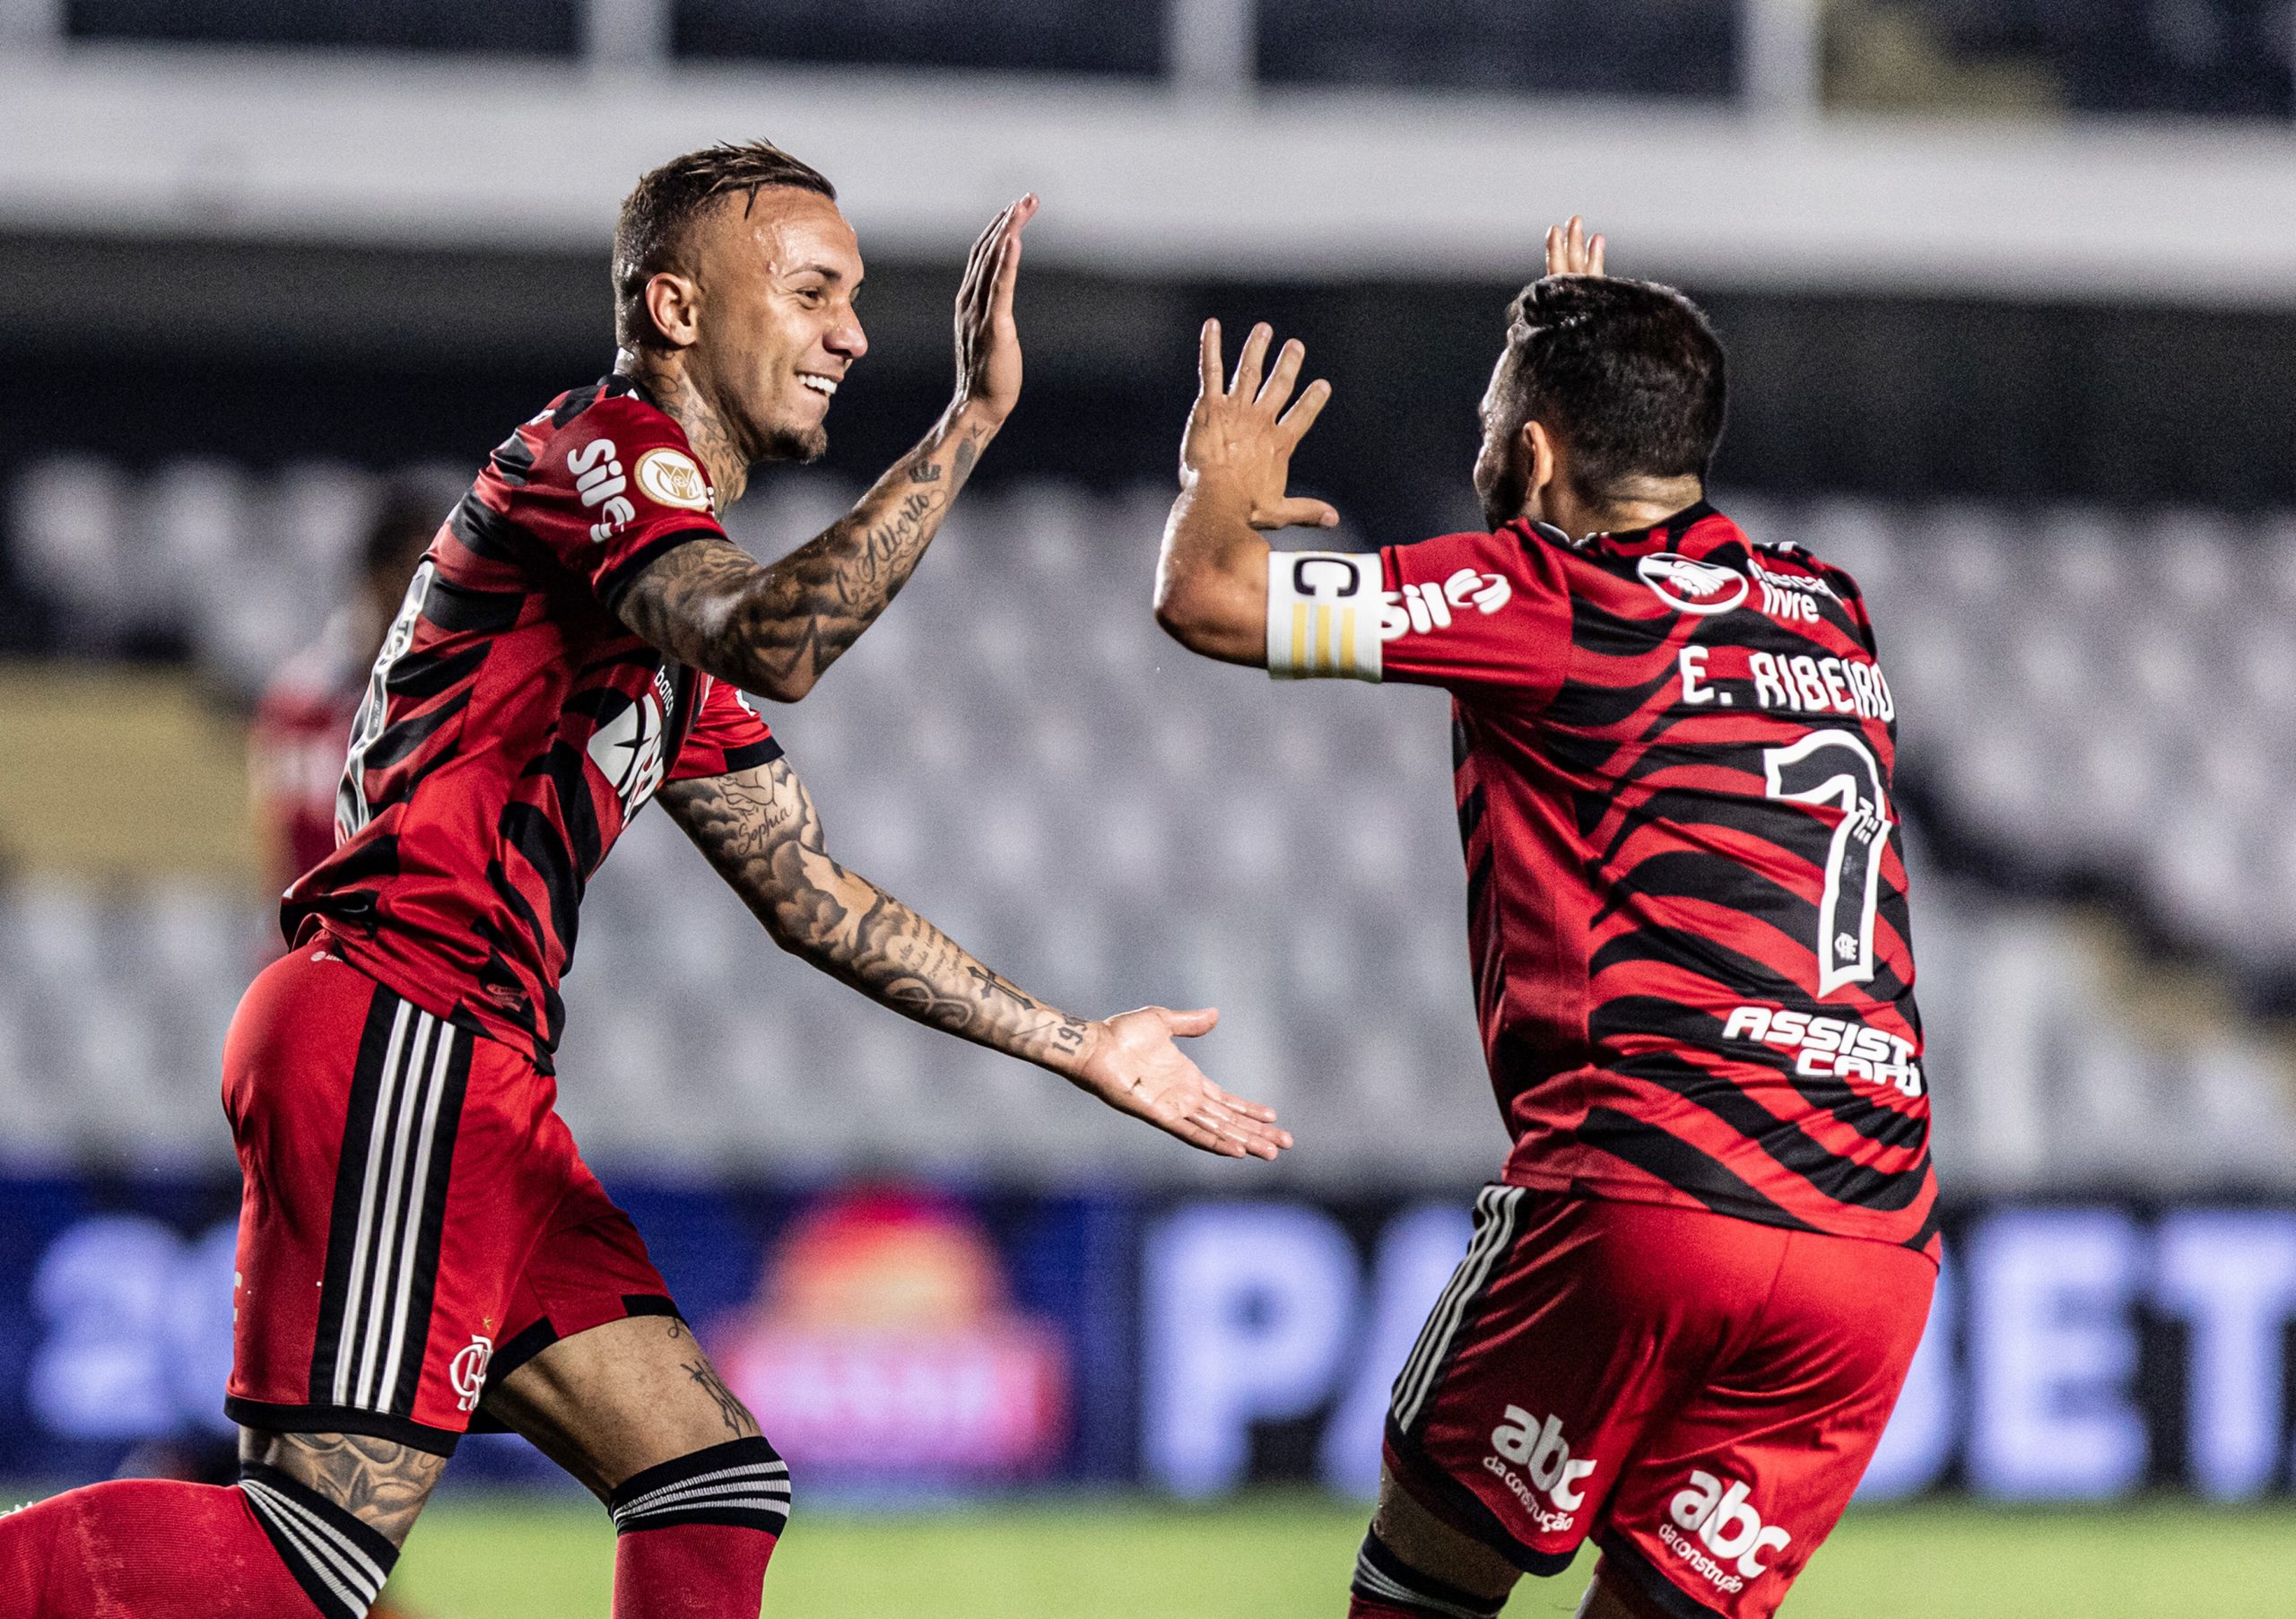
(1382, 1577)
(1494, 1234)
(390, 1201)
(742, 1484)
(340, 1563)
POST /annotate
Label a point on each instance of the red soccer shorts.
(414, 1215)
(1699, 1393)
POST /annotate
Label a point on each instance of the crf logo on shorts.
(1543, 1455)
(1716, 1510)
(467, 1370)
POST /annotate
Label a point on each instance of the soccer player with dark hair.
(1694, 1292)
(421, 1244)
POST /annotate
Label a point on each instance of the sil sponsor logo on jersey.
(1416, 609)
(1423, 608)
(1533, 1460)
(668, 477)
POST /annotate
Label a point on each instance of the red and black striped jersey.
(513, 726)
(1686, 880)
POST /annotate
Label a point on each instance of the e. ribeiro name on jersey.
(1686, 883)
(513, 724)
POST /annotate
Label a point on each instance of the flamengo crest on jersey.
(1686, 883)
(513, 724)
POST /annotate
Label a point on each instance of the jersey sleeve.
(613, 490)
(726, 736)
(1468, 612)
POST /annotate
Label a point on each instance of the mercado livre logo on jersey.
(671, 478)
(1691, 586)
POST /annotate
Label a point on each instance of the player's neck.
(667, 383)
(1636, 505)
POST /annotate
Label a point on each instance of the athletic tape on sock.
(742, 1484)
(1381, 1576)
(340, 1563)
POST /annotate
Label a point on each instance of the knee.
(742, 1484)
(1386, 1587)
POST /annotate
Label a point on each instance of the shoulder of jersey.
(619, 435)
(1787, 551)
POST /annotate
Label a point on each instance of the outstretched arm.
(773, 629)
(1211, 578)
(759, 829)
(1235, 460)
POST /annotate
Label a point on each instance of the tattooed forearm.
(760, 830)
(775, 627)
(382, 1483)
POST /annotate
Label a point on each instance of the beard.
(798, 444)
(1502, 499)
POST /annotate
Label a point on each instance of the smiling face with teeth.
(774, 328)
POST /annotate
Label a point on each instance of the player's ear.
(673, 305)
(1542, 464)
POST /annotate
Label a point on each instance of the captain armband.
(1324, 609)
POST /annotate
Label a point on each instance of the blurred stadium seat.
(1016, 749)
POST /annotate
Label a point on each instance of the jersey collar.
(1668, 529)
(1671, 528)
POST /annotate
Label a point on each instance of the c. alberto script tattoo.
(381, 1482)
(774, 628)
(760, 830)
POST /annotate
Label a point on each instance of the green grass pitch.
(1278, 1556)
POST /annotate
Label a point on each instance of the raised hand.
(1132, 1064)
(988, 343)
(1570, 251)
(1240, 438)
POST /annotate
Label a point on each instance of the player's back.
(1686, 883)
(513, 724)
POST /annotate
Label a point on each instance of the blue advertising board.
(946, 1339)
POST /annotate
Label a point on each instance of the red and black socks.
(697, 1533)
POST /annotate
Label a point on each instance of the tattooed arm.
(774, 629)
(380, 1482)
(759, 829)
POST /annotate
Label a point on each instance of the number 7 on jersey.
(1834, 767)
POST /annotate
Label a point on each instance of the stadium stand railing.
(2210, 58)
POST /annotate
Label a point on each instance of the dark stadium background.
(2059, 453)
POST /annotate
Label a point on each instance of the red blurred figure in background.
(302, 721)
